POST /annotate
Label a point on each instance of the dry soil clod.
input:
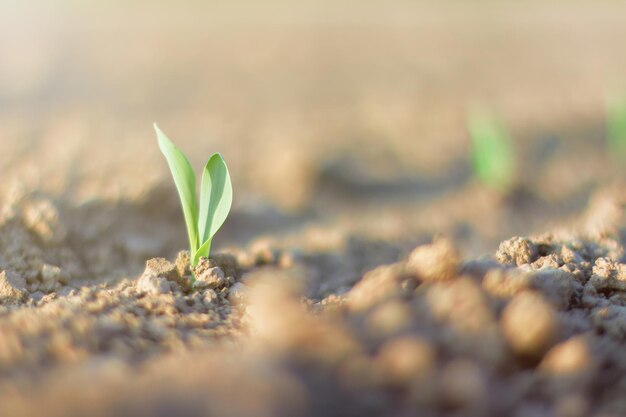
(517, 251)
(438, 261)
(12, 288)
(529, 324)
(208, 275)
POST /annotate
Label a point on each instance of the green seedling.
(216, 196)
(493, 160)
(616, 127)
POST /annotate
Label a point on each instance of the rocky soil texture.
(535, 330)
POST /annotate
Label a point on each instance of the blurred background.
(340, 118)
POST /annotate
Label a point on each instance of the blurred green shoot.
(616, 127)
(493, 159)
(216, 196)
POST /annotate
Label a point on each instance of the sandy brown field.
(363, 269)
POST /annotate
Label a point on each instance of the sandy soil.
(363, 271)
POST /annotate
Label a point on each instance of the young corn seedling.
(216, 196)
(493, 160)
(616, 127)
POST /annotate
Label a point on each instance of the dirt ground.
(363, 271)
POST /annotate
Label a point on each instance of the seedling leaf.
(185, 181)
(616, 126)
(216, 197)
(492, 155)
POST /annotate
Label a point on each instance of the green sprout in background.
(216, 196)
(493, 159)
(616, 126)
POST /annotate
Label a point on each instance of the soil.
(536, 329)
(363, 271)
